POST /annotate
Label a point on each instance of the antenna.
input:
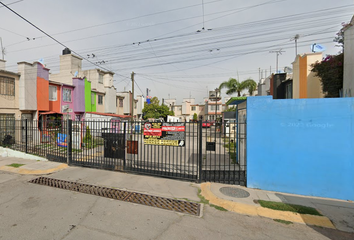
(278, 52)
(317, 48)
(288, 69)
(203, 13)
(296, 37)
(2, 49)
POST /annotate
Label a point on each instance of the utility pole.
(297, 36)
(278, 52)
(2, 49)
(259, 74)
(132, 105)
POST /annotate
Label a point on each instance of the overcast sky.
(178, 49)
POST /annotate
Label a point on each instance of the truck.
(172, 119)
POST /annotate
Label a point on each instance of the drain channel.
(132, 197)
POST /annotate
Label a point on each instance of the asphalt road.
(30, 211)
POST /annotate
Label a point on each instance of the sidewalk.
(336, 213)
(35, 167)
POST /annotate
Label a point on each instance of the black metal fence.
(175, 150)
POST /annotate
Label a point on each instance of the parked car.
(206, 124)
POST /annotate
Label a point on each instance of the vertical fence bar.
(124, 142)
(200, 154)
(69, 141)
(26, 136)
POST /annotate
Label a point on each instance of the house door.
(29, 118)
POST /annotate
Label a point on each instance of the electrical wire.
(51, 36)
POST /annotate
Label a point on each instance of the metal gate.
(185, 150)
(224, 155)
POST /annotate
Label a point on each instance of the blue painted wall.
(301, 146)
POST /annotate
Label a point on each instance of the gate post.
(26, 141)
(200, 154)
(124, 144)
(69, 145)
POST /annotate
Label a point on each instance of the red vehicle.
(206, 124)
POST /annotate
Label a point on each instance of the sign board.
(214, 95)
(165, 134)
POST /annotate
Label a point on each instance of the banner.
(165, 134)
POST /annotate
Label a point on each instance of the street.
(30, 211)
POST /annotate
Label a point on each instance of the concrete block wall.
(301, 146)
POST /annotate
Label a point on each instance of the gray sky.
(164, 43)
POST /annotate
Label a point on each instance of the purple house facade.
(79, 99)
(67, 101)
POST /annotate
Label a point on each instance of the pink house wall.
(70, 104)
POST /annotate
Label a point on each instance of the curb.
(21, 170)
(246, 209)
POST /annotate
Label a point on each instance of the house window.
(172, 109)
(193, 108)
(92, 98)
(120, 102)
(7, 125)
(100, 78)
(52, 93)
(212, 107)
(7, 86)
(67, 95)
(100, 99)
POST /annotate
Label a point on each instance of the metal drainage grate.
(133, 197)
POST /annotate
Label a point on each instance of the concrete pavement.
(35, 167)
(340, 213)
(336, 213)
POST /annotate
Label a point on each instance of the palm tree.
(251, 85)
(233, 86)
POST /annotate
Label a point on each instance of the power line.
(138, 87)
(13, 3)
(51, 36)
(133, 18)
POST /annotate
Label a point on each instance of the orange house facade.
(54, 97)
(305, 83)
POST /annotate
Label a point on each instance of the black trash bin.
(114, 145)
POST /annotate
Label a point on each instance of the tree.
(330, 71)
(340, 35)
(155, 110)
(195, 117)
(235, 86)
(231, 109)
(251, 85)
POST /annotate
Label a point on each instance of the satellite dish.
(288, 69)
(76, 73)
(41, 61)
(317, 48)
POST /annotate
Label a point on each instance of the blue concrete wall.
(301, 146)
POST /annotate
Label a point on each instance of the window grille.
(7, 86)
